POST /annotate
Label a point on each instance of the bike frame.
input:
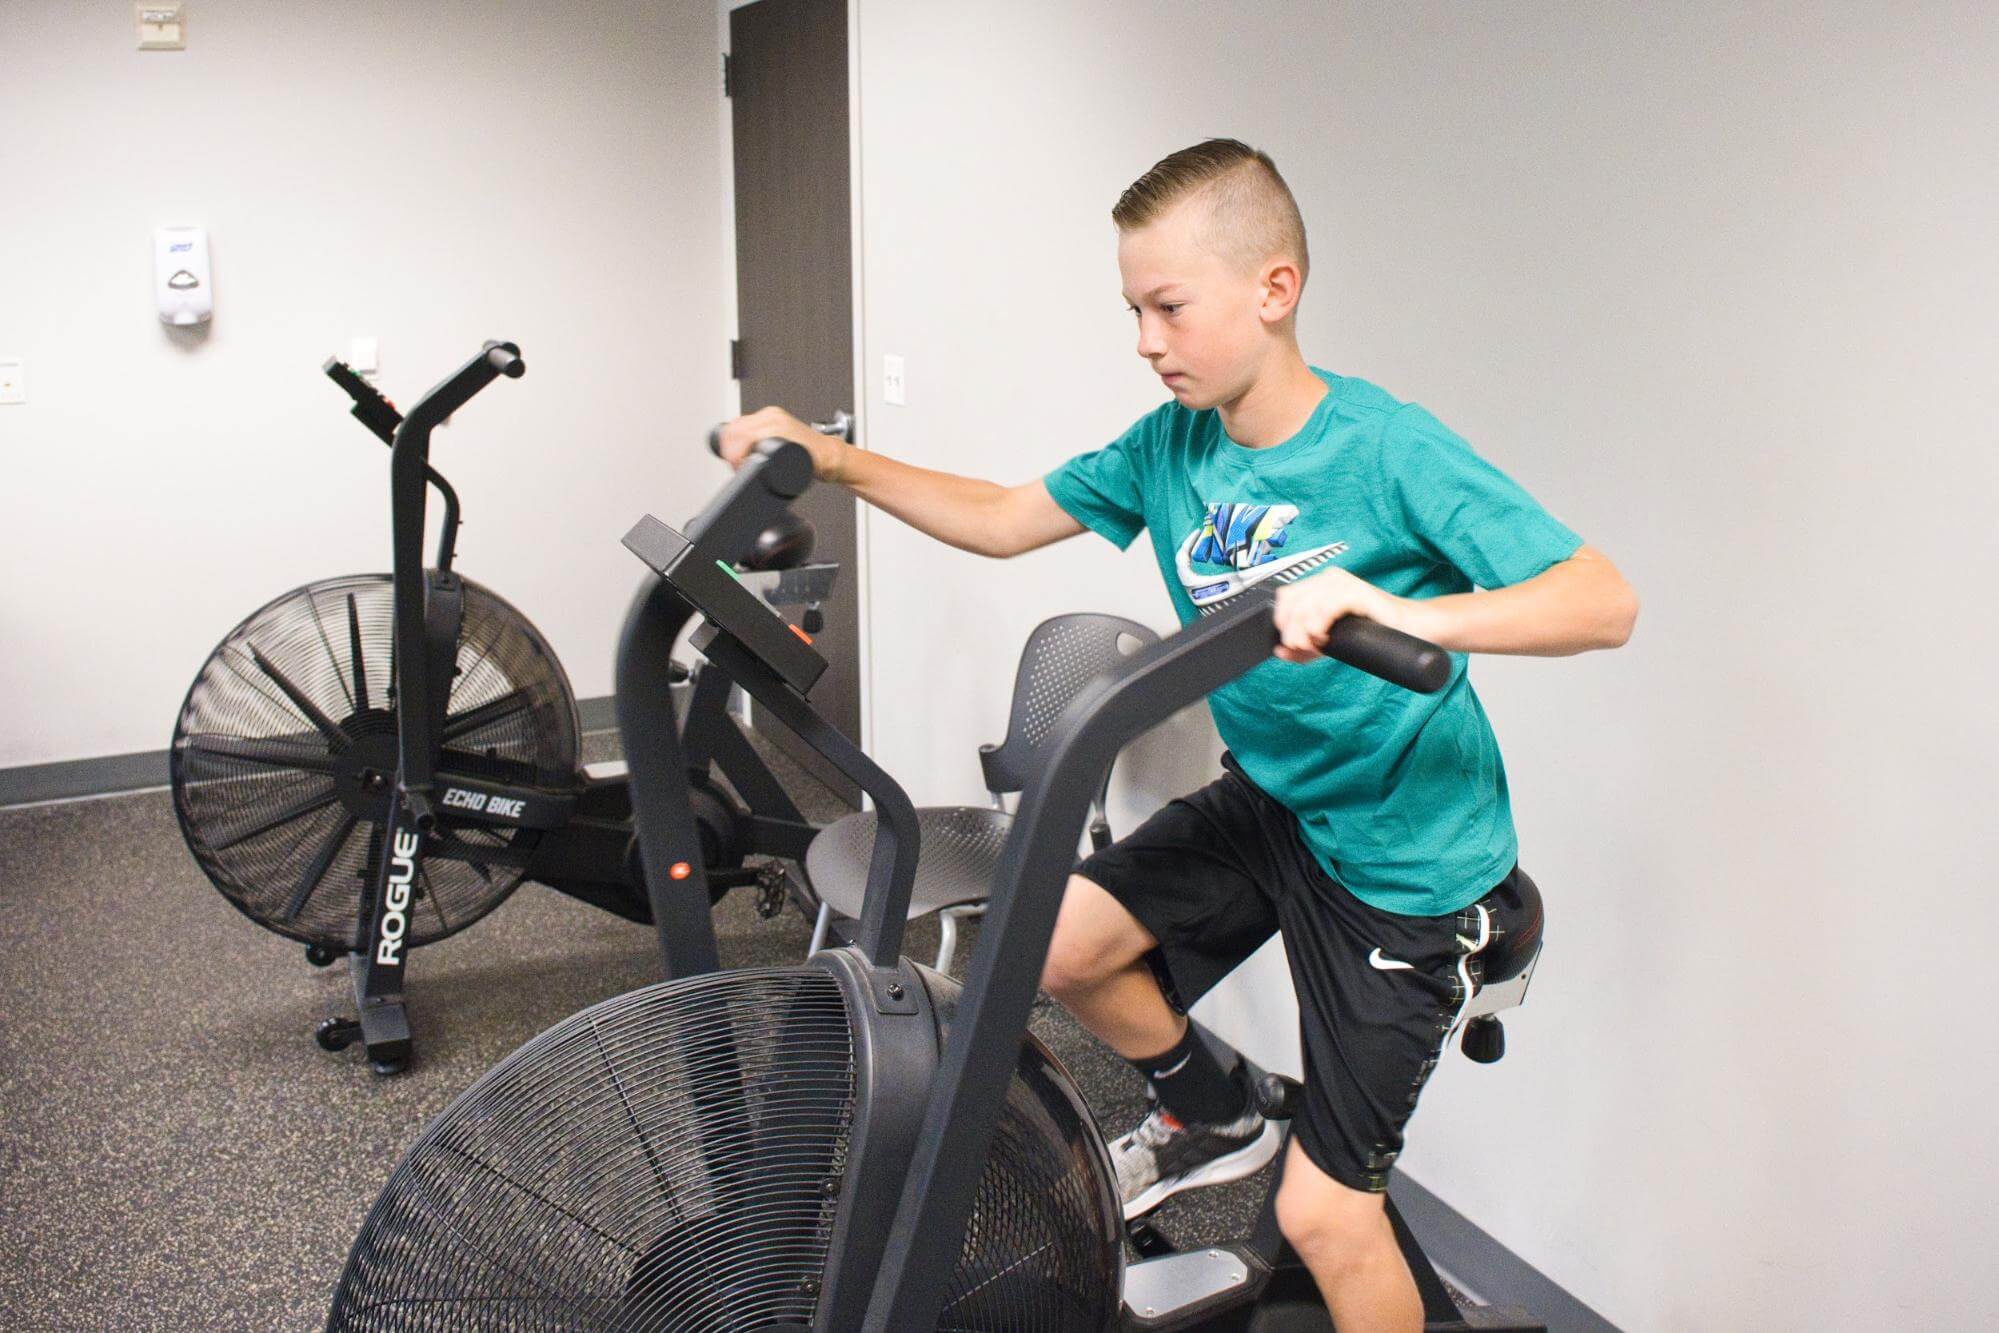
(436, 786)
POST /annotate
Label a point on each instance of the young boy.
(1370, 824)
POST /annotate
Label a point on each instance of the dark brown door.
(787, 84)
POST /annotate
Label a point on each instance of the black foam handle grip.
(1398, 658)
(506, 359)
(766, 446)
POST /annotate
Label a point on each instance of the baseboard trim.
(108, 775)
(1484, 1268)
(599, 713)
(78, 779)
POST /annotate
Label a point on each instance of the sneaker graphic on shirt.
(1248, 541)
(1161, 1156)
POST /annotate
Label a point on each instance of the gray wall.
(433, 175)
(1717, 283)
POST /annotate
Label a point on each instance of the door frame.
(863, 515)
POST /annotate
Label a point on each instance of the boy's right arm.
(978, 516)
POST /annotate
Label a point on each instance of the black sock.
(1192, 1085)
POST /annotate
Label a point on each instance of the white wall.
(1716, 283)
(431, 175)
(990, 157)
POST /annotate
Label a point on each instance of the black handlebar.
(788, 541)
(506, 358)
(1398, 658)
(494, 359)
(764, 446)
(422, 702)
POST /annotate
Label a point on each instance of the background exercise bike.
(852, 1143)
(372, 763)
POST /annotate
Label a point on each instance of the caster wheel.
(336, 1034)
(391, 1067)
(319, 955)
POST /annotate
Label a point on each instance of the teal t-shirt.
(1400, 796)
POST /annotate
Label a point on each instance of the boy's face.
(1201, 321)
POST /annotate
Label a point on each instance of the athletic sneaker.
(1162, 1156)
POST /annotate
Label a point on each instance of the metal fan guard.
(672, 1159)
(258, 786)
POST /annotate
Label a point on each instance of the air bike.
(372, 763)
(852, 1143)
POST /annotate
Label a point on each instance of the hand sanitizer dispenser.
(180, 275)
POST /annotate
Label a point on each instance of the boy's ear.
(1281, 287)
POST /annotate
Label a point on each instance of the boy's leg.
(1188, 880)
(1378, 996)
(1096, 968)
(1204, 1127)
(1344, 1238)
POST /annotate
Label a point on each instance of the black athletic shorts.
(1211, 875)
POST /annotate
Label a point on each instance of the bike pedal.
(773, 891)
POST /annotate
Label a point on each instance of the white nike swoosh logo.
(1387, 964)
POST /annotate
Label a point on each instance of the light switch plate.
(162, 25)
(894, 391)
(13, 380)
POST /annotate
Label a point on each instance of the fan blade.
(333, 661)
(430, 894)
(327, 726)
(506, 706)
(270, 751)
(316, 872)
(298, 810)
(354, 653)
(468, 672)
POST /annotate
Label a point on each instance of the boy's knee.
(1085, 949)
(1333, 1227)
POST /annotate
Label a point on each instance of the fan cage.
(672, 1159)
(265, 795)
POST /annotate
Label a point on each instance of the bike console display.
(371, 409)
(713, 589)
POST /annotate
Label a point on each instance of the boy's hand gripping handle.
(1398, 658)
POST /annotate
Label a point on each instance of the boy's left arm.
(1581, 604)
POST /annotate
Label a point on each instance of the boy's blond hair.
(1251, 214)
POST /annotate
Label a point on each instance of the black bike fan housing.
(675, 1159)
(285, 753)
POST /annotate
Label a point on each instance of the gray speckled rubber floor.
(175, 1152)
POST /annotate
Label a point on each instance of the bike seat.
(1508, 955)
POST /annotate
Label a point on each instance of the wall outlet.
(893, 392)
(13, 380)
